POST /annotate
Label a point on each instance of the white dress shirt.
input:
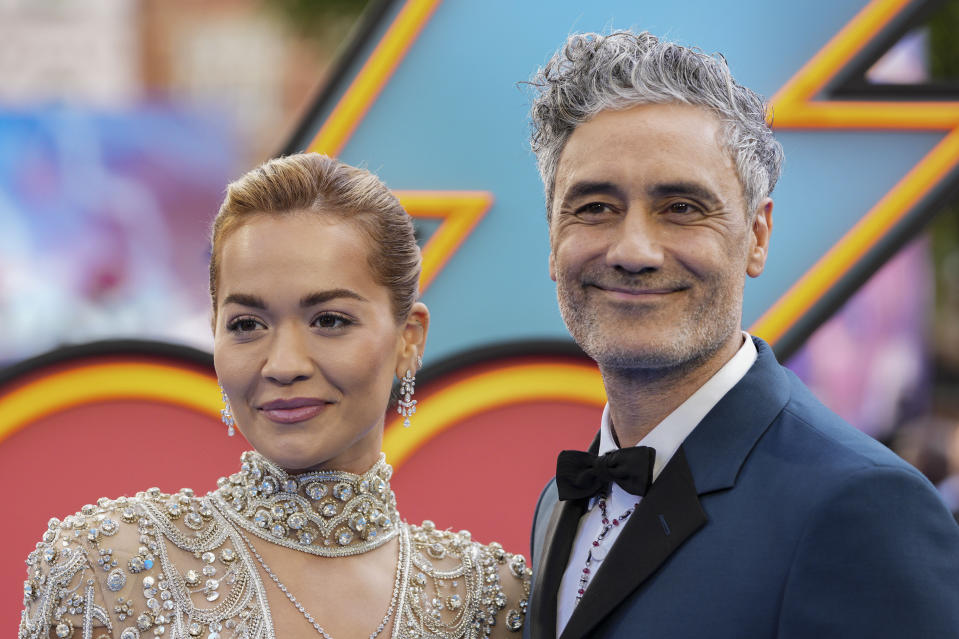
(665, 438)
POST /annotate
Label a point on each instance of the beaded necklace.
(399, 589)
(596, 551)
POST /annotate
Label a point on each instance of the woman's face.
(305, 342)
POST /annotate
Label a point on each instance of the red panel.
(58, 464)
(486, 473)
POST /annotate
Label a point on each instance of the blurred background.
(121, 122)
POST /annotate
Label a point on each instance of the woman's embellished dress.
(160, 565)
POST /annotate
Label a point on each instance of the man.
(749, 509)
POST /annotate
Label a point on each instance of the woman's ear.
(413, 339)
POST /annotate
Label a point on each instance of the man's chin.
(636, 356)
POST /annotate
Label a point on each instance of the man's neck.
(639, 399)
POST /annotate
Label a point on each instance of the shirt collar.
(667, 436)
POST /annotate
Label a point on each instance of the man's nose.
(636, 245)
(288, 359)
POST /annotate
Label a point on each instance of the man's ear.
(552, 265)
(762, 226)
(414, 339)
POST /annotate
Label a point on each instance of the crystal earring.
(407, 405)
(227, 414)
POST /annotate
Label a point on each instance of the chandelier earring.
(407, 405)
(226, 414)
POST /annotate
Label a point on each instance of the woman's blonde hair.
(314, 183)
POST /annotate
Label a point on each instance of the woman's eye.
(243, 325)
(331, 320)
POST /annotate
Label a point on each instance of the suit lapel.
(559, 541)
(666, 517)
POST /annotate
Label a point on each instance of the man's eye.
(593, 208)
(682, 207)
(243, 325)
(331, 320)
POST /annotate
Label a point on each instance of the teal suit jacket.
(774, 519)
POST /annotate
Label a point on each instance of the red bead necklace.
(597, 552)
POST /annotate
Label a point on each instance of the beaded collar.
(326, 513)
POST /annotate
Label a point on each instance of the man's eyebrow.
(691, 189)
(588, 188)
(319, 297)
(245, 300)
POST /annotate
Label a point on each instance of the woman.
(313, 279)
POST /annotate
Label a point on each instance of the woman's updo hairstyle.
(314, 183)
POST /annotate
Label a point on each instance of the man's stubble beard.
(694, 338)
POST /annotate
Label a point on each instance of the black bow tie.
(581, 475)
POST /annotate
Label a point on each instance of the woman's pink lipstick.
(291, 411)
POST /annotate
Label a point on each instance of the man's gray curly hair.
(592, 73)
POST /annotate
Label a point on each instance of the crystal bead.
(296, 521)
(306, 538)
(328, 510)
(208, 557)
(64, 630)
(227, 555)
(149, 582)
(316, 490)
(344, 538)
(144, 621)
(514, 620)
(193, 521)
(195, 629)
(209, 570)
(342, 491)
(454, 602)
(212, 596)
(268, 486)
(279, 512)
(136, 564)
(358, 523)
(116, 580)
(290, 486)
(192, 578)
(278, 530)
(261, 518)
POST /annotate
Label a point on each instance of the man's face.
(650, 239)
